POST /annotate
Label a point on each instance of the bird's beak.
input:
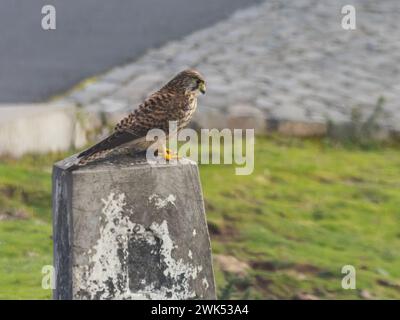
(202, 88)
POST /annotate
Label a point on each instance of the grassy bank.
(308, 209)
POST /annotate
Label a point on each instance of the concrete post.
(126, 230)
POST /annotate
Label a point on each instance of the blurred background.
(322, 99)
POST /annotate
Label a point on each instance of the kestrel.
(176, 101)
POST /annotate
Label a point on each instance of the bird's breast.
(189, 110)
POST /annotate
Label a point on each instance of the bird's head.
(188, 82)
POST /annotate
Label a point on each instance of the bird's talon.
(169, 155)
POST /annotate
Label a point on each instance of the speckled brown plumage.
(176, 101)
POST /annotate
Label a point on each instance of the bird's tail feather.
(104, 147)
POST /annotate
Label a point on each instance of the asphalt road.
(91, 36)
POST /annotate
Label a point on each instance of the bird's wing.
(153, 113)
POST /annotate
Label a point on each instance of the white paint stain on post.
(175, 269)
(160, 203)
(108, 263)
(205, 283)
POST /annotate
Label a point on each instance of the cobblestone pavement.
(284, 63)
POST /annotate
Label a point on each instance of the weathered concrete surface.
(39, 128)
(124, 229)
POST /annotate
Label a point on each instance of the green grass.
(308, 209)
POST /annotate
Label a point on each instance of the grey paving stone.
(292, 60)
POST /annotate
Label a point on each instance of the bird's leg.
(171, 154)
(166, 153)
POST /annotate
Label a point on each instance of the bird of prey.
(176, 101)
